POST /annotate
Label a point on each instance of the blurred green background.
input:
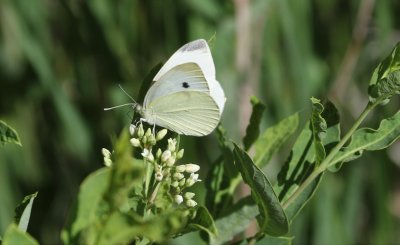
(61, 61)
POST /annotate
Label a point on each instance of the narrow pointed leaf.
(253, 129)
(318, 125)
(23, 212)
(272, 218)
(8, 134)
(273, 138)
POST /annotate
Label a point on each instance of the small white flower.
(172, 144)
(180, 168)
(178, 176)
(135, 142)
(165, 155)
(145, 152)
(192, 168)
(189, 195)
(161, 134)
(171, 161)
(132, 129)
(190, 203)
(105, 152)
(159, 176)
(194, 177)
(178, 199)
(107, 162)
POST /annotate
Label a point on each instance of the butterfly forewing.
(184, 77)
(194, 52)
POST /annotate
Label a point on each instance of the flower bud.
(140, 131)
(178, 176)
(189, 182)
(135, 142)
(172, 144)
(105, 152)
(189, 195)
(150, 157)
(144, 140)
(165, 155)
(148, 132)
(175, 184)
(182, 182)
(107, 162)
(180, 168)
(132, 129)
(179, 155)
(158, 153)
(192, 168)
(161, 134)
(190, 203)
(171, 161)
(151, 139)
(178, 199)
(194, 177)
(159, 176)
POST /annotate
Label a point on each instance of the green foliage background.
(61, 61)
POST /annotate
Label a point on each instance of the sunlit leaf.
(385, 81)
(8, 134)
(273, 138)
(272, 218)
(23, 212)
(367, 139)
(318, 125)
(235, 220)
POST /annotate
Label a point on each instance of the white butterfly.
(185, 97)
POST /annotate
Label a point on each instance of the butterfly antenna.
(110, 108)
(123, 90)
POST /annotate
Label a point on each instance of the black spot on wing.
(185, 85)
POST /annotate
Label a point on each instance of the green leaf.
(23, 212)
(253, 129)
(8, 134)
(319, 126)
(203, 221)
(90, 195)
(236, 220)
(222, 178)
(14, 236)
(125, 228)
(272, 219)
(273, 138)
(302, 161)
(367, 139)
(385, 81)
(269, 240)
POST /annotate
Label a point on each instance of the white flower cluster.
(106, 157)
(164, 163)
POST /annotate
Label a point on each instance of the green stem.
(149, 171)
(326, 162)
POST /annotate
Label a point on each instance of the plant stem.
(326, 162)
(147, 180)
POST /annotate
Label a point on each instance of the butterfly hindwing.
(192, 113)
